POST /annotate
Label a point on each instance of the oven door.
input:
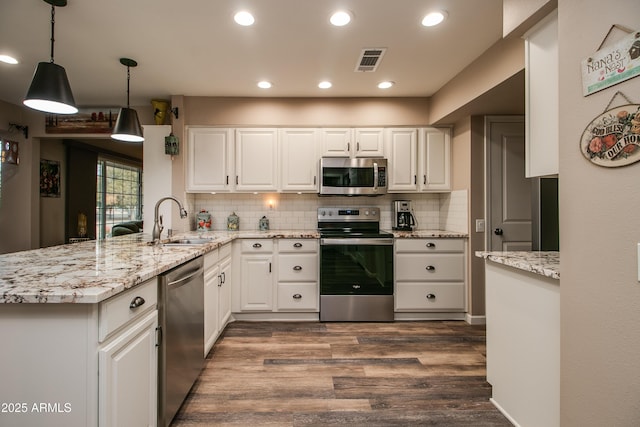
(353, 177)
(356, 266)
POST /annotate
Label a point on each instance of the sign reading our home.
(612, 65)
(613, 138)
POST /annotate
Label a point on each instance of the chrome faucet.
(157, 219)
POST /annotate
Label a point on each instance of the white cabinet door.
(211, 303)
(256, 159)
(128, 371)
(349, 142)
(541, 95)
(336, 142)
(224, 293)
(434, 154)
(369, 142)
(256, 286)
(299, 159)
(401, 147)
(209, 159)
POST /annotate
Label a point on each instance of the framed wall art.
(49, 178)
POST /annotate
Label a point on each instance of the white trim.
(475, 320)
(501, 409)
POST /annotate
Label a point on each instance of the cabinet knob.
(136, 302)
(297, 245)
(431, 296)
(297, 268)
(498, 231)
(431, 245)
(257, 245)
(430, 268)
(297, 296)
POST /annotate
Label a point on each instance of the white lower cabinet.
(430, 275)
(128, 379)
(128, 358)
(256, 275)
(297, 275)
(217, 294)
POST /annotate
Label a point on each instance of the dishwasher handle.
(185, 279)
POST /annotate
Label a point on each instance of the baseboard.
(476, 320)
(505, 413)
(277, 317)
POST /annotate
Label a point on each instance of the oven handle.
(383, 241)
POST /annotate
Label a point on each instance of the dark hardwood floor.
(347, 374)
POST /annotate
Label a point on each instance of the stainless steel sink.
(188, 242)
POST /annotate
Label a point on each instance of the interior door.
(508, 191)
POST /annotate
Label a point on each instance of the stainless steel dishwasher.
(181, 319)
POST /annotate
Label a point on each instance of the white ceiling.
(194, 48)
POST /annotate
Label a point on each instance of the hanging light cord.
(53, 23)
(128, 78)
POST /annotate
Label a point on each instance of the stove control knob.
(323, 213)
(330, 213)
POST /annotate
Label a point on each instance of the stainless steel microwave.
(344, 176)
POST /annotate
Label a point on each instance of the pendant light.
(50, 91)
(127, 126)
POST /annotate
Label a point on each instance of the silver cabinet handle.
(430, 268)
(431, 296)
(297, 245)
(136, 302)
(431, 245)
(297, 268)
(257, 245)
(297, 296)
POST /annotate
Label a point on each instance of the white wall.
(599, 230)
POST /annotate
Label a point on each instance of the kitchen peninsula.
(523, 335)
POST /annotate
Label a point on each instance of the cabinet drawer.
(257, 245)
(298, 296)
(412, 266)
(429, 296)
(210, 259)
(298, 267)
(117, 312)
(429, 245)
(298, 245)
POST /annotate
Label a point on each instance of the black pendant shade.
(50, 90)
(127, 126)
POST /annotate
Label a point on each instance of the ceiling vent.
(370, 59)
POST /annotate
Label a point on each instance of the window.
(119, 195)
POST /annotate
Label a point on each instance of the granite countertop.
(420, 234)
(92, 271)
(538, 262)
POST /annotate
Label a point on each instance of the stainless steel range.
(356, 265)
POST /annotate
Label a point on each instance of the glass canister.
(233, 222)
(263, 224)
(203, 221)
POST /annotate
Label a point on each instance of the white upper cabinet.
(299, 159)
(348, 142)
(541, 98)
(256, 159)
(209, 159)
(434, 159)
(401, 148)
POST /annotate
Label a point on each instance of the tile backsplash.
(433, 211)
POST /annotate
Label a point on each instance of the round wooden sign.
(613, 138)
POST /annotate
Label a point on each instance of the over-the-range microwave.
(344, 176)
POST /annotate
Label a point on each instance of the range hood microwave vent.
(370, 59)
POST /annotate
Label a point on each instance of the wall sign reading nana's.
(613, 138)
(612, 65)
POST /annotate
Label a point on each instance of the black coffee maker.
(403, 219)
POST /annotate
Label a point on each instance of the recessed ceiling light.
(264, 84)
(244, 18)
(324, 85)
(434, 18)
(8, 59)
(341, 18)
(385, 85)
